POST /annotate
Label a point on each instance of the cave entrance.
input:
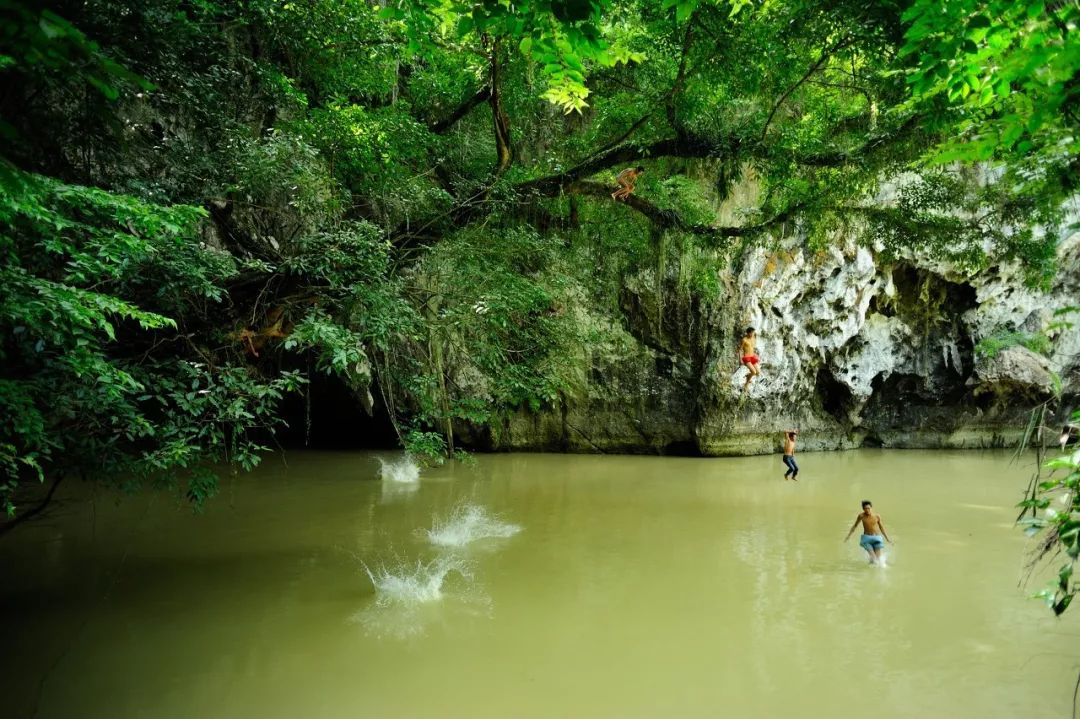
(836, 397)
(338, 421)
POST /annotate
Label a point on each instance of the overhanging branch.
(670, 219)
(673, 147)
(825, 55)
(479, 97)
(869, 148)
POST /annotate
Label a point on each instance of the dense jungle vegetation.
(205, 203)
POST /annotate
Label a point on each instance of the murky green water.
(636, 587)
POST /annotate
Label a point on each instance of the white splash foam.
(410, 602)
(469, 523)
(403, 471)
(423, 582)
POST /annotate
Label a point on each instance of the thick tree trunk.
(503, 147)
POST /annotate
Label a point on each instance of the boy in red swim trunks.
(749, 358)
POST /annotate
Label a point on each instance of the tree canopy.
(204, 201)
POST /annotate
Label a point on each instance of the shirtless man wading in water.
(873, 531)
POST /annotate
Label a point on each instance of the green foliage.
(85, 278)
(38, 37)
(381, 156)
(339, 349)
(994, 344)
(351, 265)
(204, 415)
(338, 48)
(1056, 494)
(1058, 497)
(427, 447)
(311, 184)
(284, 171)
(496, 305)
(1000, 78)
(560, 36)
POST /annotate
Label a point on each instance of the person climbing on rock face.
(748, 356)
(626, 180)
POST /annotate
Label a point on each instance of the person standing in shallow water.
(789, 455)
(873, 531)
(748, 356)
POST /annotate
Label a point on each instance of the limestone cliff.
(857, 350)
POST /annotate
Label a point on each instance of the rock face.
(1014, 370)
(856, 351)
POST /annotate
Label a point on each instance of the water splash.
(423, 582)
(403, 471)
(410, 600)
(468, 523)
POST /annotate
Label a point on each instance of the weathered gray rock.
(856, 351)
(1013, 370)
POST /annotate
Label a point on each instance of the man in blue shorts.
(873, 531)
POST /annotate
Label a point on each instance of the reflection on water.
(637, 587)
(397, 491)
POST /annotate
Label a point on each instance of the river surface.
(539, 586)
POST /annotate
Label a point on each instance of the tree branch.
(844, 86)
(825, 55)
(680, 76)
(479, 97)
(36, 510)
(668, 98)
(867, 149)
(623, 137)
(672, 147)
(670, 219)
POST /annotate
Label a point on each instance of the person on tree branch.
(626, 180)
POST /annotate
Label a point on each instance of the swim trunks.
(750, 359)
(872, 541)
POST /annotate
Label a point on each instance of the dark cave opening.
(917, 290)
(836, 397)
(338, 420)
(681, 448)
(879, 306)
